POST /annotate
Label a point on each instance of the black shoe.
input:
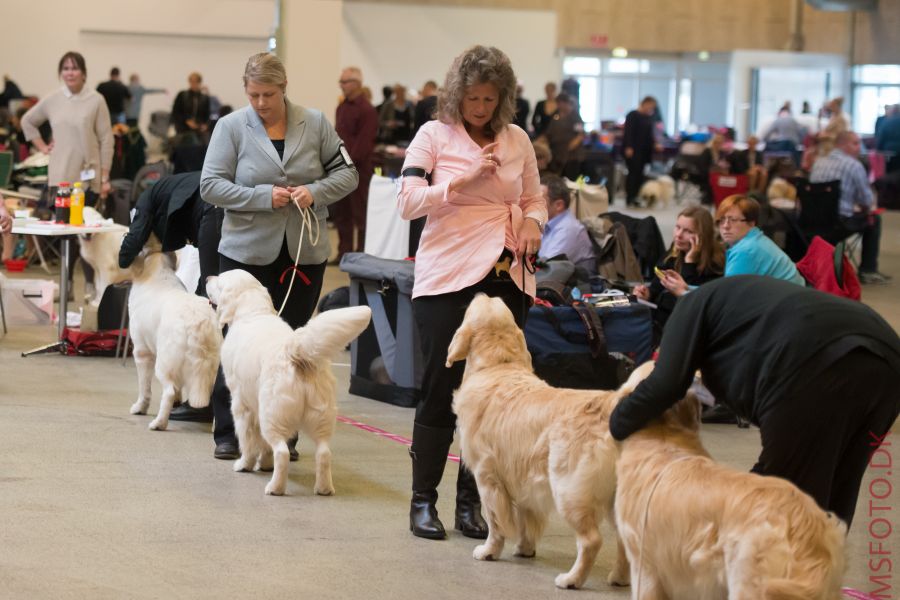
(227, 451)
(469, 521)
(292, 448)
(186, 412)
(423, 517)
(719, 415)
(429, 455)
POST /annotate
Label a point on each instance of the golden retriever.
(696, 529)
(532, 446)
(175, 334)
(280, 379)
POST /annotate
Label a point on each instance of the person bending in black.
(817, 374)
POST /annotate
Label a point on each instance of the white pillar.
(311, 44)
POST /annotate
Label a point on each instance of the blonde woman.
(265, 163)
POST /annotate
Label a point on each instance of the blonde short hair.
(478, 65)
(265, 68)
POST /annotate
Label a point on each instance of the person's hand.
(629, 152)
(641, 291)
(191, 123)
(280, 196)
(301, 196)
(6, 221)
(484, 166)
(105, 189)
(529, 238)
(674, 282)
(694, 253)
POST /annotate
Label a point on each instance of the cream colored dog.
(101, 251)
(659, 191)
(175, 336)
(280, 380)
(532, 446)
(697, 529)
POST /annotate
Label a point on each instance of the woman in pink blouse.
(474, 176)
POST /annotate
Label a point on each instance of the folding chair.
(724, 185)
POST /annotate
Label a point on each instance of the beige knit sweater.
(82, 135)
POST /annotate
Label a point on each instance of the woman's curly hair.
(477, 65)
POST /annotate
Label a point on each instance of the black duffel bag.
(569, 349)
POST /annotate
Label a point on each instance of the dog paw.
(525, 551)
(618, 579)
(482, 552)
(274, 490)
(241, 466)
(566, 581)
(324, 491)
(139, 408)
(158, 425)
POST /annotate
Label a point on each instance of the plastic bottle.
(76, 205)
(61, 205)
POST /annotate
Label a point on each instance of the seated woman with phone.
(694, 258)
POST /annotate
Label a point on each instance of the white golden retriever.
(175, 335)
(658, 191)
(101, 251)
(697, 529)
(532, 446)
(280, 380)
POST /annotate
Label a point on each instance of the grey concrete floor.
(94, 505)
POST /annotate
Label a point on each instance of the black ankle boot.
(469, 521)
(423, 517)
(429, 455)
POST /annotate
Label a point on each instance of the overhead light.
(703, 55)
(619, 52)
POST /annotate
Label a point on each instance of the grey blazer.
(241, 167)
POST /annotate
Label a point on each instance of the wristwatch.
(537, 220)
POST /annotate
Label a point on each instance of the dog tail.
(818, 568)
(327, 333)
(202, 356)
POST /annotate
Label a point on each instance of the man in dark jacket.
(817, 374)
(115, 93)
(638, 142)
(191, 110)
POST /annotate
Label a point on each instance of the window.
(874, 87)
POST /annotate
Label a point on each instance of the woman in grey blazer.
(263, 160)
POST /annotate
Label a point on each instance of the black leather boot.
(429, 455)
(469, 521)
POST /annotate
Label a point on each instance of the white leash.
(659, 477)
(307, 218)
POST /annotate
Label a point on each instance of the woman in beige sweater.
(82, 144)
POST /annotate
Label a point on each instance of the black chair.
(818, 211)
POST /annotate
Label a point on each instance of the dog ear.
(459, 345)
(685, 413)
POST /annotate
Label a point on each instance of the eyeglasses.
(343, 81)
(729, 221)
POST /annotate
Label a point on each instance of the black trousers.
(821, 433)
(870, 228)
(437, 318)
(635, 178)
(276, 277)
(206, 231)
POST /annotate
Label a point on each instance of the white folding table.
(65, 232)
